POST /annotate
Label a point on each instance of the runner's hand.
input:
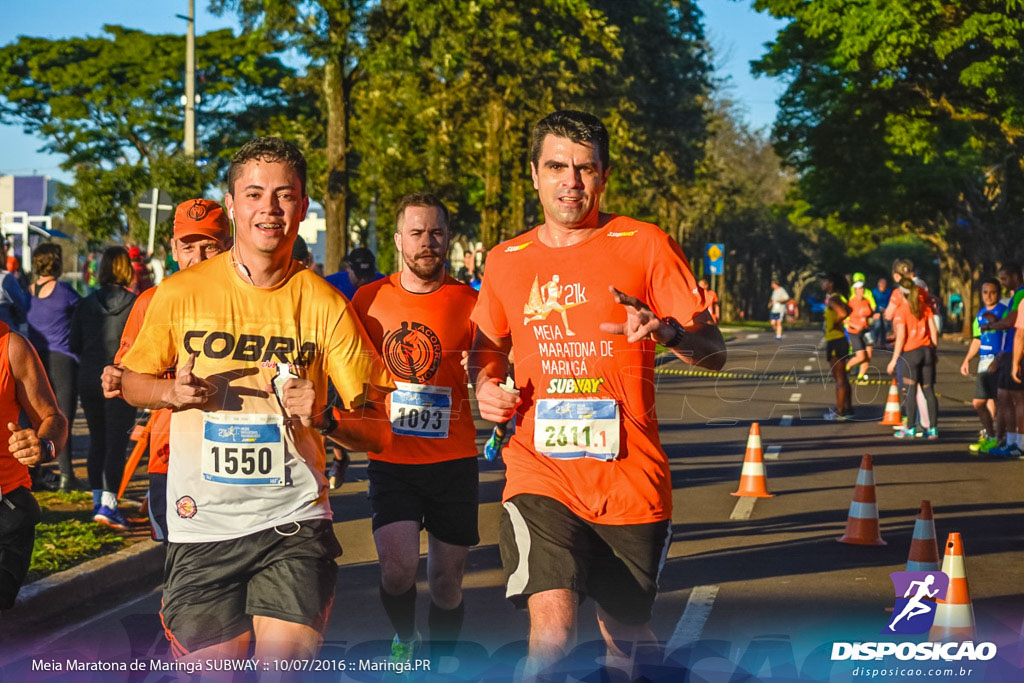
(641, 323)
(24, 445)
(965, 368)
(1016, 373)
(496, 404)
(190, 391)
(891, 367)
(111, 381)
(298, 397)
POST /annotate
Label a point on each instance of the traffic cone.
(954, 616)
(892, 416)
(752, 479)
(862, 522)
(924, 552)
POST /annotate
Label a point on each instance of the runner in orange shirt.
(24, 389)
(418, 320)
(714, 308)
(588, 496)
(201, 231)
(916, 339)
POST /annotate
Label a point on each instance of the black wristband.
(47, 451)
(676, 339)
(330, 423)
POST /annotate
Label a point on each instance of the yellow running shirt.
(242, 467)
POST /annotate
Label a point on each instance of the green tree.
(330, 35)
(454, 87)
(110, 106)
(908, 115)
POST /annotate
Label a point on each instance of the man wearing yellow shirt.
(254, 337)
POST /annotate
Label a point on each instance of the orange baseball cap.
(201, 217)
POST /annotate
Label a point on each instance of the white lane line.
(808, 368)
(753, 336)
(772, 453)
(795, 398)
(744, 508)
(41, 646)
(691, 624)
(786, 421)
(813, 358)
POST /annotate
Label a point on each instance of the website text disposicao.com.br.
(911, 672)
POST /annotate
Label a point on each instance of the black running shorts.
(837, 349)
(19, 514)
(1006, 380)
(212, 590)
(544, 546)
(443, 497)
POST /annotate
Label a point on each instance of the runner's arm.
(972, 351)
(702, 345)
(364, 427)
(488, 366)
(184, 391)
(36, 398)
(1018, 342)
(897, 347)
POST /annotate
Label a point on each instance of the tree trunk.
(490, 217)
(335, 200)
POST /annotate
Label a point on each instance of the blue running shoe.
(112, 517)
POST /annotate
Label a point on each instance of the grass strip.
(67, 536)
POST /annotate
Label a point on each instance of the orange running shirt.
(860, 312)
(711, 299)
(917, 328)
(12, 473)
(160, 427)
(552, 301)
(421, 338)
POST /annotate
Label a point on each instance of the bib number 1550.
(241, 460)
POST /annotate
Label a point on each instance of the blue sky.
(736, 32)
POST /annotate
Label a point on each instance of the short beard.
(423, 273)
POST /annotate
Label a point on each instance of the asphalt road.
(753, 589)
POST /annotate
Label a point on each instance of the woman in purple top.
(49, 326)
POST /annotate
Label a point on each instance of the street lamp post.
(190, 80)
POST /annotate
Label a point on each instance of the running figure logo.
(544, 300)
(914, 612)
(412, 352)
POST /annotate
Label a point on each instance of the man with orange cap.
(201, 231)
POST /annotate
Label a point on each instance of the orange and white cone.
(752, 480)
(954, 616)
(892, 416)
(862, 522)
(924, 552)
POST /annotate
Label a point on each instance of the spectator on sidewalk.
(95, 336)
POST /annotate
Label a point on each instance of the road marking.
(46, 644)
(795, 398)
(691, 624)
(772, 453)
(744, 508)
(808, 368)
(786, 421)
(752, 336)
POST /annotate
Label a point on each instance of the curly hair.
(269, 149)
